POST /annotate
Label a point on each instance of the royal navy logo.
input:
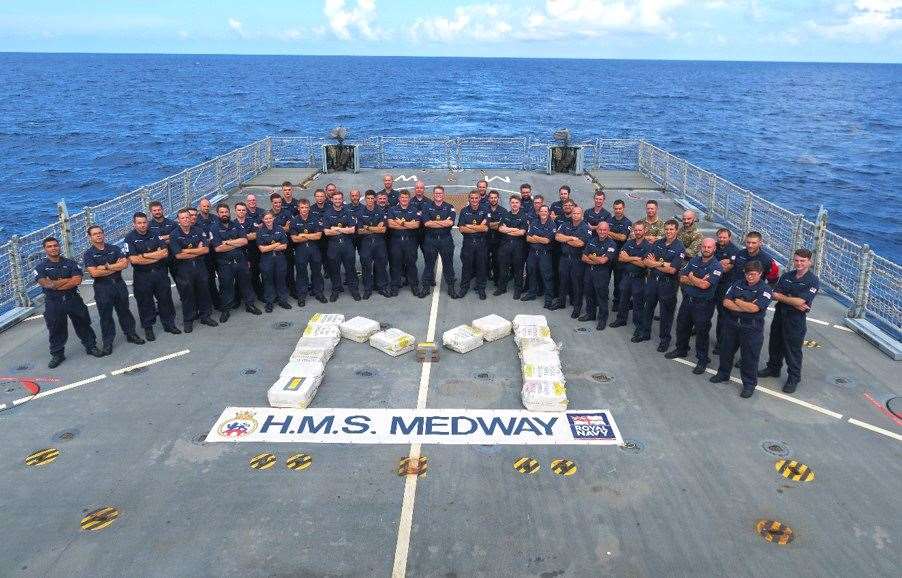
(590, 426)
(241, 425)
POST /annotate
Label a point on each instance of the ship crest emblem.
(241, 425)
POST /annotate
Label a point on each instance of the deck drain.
(65, 436)
(366, 372)
(894, 405)
(484, 375)
(250, 371)
(776, 448)
(602, 377)
(843, 381)
(282, 325)
(632, 446)
(581, 329)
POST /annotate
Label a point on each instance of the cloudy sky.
(803, 30)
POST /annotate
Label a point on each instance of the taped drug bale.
(536, 356)
(322, 330)
(538, 344)
(359, 329)
(310, 355)
(544, 395)
(296, 386)
(537, 372)
(326, 319)
(393, 342)
(320, 342)
(493, 327)
(529, 320)
(530, 332)
(462, 339)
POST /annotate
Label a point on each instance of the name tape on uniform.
(408, 426)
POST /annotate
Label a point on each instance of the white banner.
(406, 426)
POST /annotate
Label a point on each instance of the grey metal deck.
(683, 505)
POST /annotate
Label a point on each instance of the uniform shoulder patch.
(766, 294)
(813, 289)
(717, 272)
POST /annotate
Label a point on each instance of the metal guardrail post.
(863, 284)
(820, 240)
(219, 174)
(685, 180)
(89, 216)
(268, 149)
(66, 234)
(257, 159)
(186, 189)
(381, 154)
(145, 199)
(747, 217)
(18, 280)
(712, 198)
(666, 171)
(797, 234)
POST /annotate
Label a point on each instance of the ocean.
(86, 127)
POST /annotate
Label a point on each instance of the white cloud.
(484, 22)
(866, 21)
(345, 20)
(596, 17)
(237, 27)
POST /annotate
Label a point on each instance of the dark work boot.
(149, 334)
(56, 360)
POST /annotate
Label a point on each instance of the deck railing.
(870, 284)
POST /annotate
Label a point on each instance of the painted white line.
(150, 362)
(67, 387)
(33, 317)
(402, 546)
(842, 328)
(818, 321)
(874, 428)
(92, 304)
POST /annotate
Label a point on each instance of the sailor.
(438, 218)
(255, 216)
(724, 253)
(150, 282)
(632, 287)
(753, 251)
(371, 229)
(418, 201)
(700, 278)
(540, 237)
(572, 237)
(305, 231)
(599, 255)
(317, 209)
(205, 220)
(746, 301)
(619, 232)
(689, 235)
(228, 243)
(472, 224)
(59, 278)
(339, 226)
(557, 207)
(162, 227)
(482, 186)
(495, 213)
(561, 216)
(596, 213)
(281, 218)
(391, 195)
(794, 294)
(189, 245)
(355, 205)
(526, 199)
(654, 226)
(512, 248)
(273, 242)
(538, 201)
(105, 263)
(663, 263)
(403, 221)
(288, 199)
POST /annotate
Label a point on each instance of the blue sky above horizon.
(793, 30)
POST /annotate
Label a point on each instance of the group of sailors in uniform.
(560, 252)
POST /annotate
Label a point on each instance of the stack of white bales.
(465, 338)
(300, 378)
(393, 341)
(544, 386)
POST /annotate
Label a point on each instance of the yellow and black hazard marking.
(794, 470)
(563, 467)
(413, 467)
(299, 462)
(774, 531)
(42, 457)
(263, 461)
(527, 465)
(99, 519)
(811, 343)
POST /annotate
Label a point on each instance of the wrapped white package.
(326, 319)
(359, 329)
(493, 327)
(462, 338)
(393, 341)
(535, 372)
(537, 344)
(536, 356)
(530, 332)
(322, 330)
(296, 385)
(310, 355)
(321, 342)
(523, 320)
(544, 395)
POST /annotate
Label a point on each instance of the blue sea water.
(86, 127)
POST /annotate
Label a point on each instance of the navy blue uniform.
(632, 286)
(233, 266)
(373, 253)
(472, 249)
(110, 293)
(512, 251)
(206, 224)
(403, 248)
(60, 305)
(438, 242)
(593, 218)
(727, 251)
(307, 257)
(493, 242)
(419, 204)
(662, 287)
(250, 225)
(340, 248)
(273, 268)
(150, 282)
(161, 228)
(787, 329)
(279, 220)
(598, 277)
(571, 268)
(697, 307)
(745, 332)
(191, 274)
(621, 227)
(538, 263)
(392, 197)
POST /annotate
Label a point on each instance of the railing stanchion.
(145, 199)
(18, 279)
(820, 240)
(863, 283)
(797, 234)
(65, 233)
(712, 198)
(219, 184)
(747, 216)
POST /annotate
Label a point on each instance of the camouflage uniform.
(655, 229)
(691, 239)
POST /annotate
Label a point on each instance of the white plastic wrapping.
(544, 395)
(296, 386)
(537, 344)
(322, 330)
(359, 329)
(321, 342)
(393, 342)
(493, 327)
(529, 320)
(462, 339)
(540, 357)
(310, 355)
(326, 319)
(536, 372)
(523, 332)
